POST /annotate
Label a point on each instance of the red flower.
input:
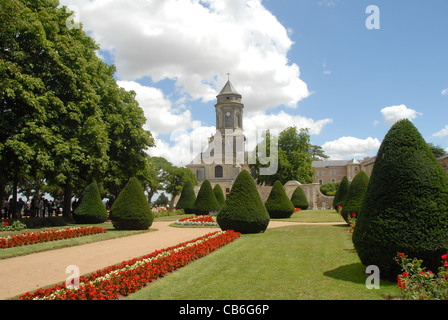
(405, 274)
(6, 224)
(127, 280)
(445, 257)
(401, 254)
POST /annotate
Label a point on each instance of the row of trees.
(403, 207)
(244, 204)
(64, 121)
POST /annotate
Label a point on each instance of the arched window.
(218, 172)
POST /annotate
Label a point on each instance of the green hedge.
(405, 207)
(244, 211)
(355, 196)
(38, 222)
(278, 204)
(341, 193)
(219, 195)
(206, 201)
(299, 199)
(187, 198)
(90, 209)
(131, 210)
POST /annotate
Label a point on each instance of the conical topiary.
(244, 211)
(405, 207)
(355, 196)
(187, 198)
(299, 199)
(278, 204)
(131, 210)
(219, 195)
(341, 193)
(206, 201)
(91, 209)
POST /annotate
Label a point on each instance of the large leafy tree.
(293, 155)
(128, 139)
(22, 93)
(160, 174)
(177, 177)
(63, 115)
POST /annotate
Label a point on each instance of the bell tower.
(229, 109)
(225, 155)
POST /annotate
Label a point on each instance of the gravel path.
(27, 273)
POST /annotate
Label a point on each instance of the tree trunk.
(67, 205)
(172, 201)
(13, 208)
(150, 195)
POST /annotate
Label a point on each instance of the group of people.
(35, 207)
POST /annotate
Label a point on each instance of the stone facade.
(225, 156)
(328, 171)
(444, 162)
(334, 170)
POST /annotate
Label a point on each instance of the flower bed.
(206, 220)
(417, 283)
(132, 275)
(48, 235)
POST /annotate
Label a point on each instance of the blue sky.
(404, 62)
(296, 62)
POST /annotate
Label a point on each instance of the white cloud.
(184, 145)
(162, 116)
(445, 92)
(328, 3)
(395, 113)
(195, 43)
(350, 147)
(442, 133)
(280, 121)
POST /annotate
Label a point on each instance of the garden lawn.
(304, 262)
(111, 233)
(314, 216)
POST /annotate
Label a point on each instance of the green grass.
(301, 262)
(306, 262)
(111, 233)
(314, 216)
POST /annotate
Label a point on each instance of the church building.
(225, 155)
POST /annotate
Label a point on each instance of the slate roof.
(333, 163)
(229, 89)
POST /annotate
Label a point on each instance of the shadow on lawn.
(351, 272)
